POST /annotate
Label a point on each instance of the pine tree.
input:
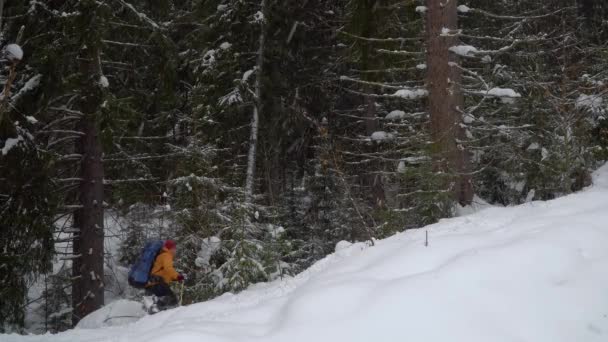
(27, 200)
(521, 92)
(87, 266)
(260, 134)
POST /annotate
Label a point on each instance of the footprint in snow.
(594, 329)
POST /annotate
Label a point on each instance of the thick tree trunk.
(446, 99)
(255, 117)
(87, 268)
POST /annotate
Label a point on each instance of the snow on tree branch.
(10, 143)
(466, 9)
(13, 52)
(498, 92)
(30, 85)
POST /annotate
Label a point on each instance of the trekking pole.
(181, 294)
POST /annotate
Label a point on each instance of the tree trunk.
(1, 13)
(446, 99)
(255, 118)
(372, 180)
(87, 268)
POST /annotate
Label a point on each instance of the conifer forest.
(258, 134)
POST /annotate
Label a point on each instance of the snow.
(117, 313)
(464, 50)
(421, 9)
(544, 153)
(13, 52)
(209, 58)
(225, 46)
(31, 119)
(10, 143)
(401, 166)
(588, 78)
(247, 74)
(411, 94)
(415, 159)
(342, 245)
(421, 66)
(115, 276)
(477, 204)
(395, 115)
(258, 17)
(103, 82)
(209, 246)
(594, 103)
(502, 92)
(530, 195)
(30, 85)
(468, 119)
(463, 9)
(231, 98)
(276, 231)
(534, 272)
(381, 136)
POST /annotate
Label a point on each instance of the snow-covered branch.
(369, 83)
(517, 17)
(400, 52)
(142, 16)
(380, 40)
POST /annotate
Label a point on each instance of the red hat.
(170, 244)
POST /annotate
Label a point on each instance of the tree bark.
(446, 98)
(87, 267)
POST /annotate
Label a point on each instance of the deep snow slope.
(536, 272)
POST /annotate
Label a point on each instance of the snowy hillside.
(536, 272)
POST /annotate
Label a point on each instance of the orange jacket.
(163, 267)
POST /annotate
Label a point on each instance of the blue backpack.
(140, 271)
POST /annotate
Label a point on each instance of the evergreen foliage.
(345, 148)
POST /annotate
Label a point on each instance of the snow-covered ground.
(116, 286)
(537, 272)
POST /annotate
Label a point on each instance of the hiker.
(162, 275)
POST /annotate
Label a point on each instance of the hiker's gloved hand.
(180, 277)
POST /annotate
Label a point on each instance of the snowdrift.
(120, 312)
(537, 272)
